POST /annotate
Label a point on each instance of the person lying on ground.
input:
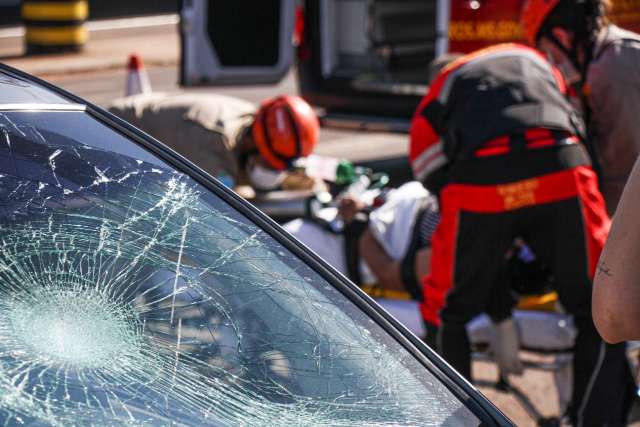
(388, 245)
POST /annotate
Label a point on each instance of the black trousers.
(566, 230)
(555, 233)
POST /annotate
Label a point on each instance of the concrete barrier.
(54, 26)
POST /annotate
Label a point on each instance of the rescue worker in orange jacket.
(497, 140)
(602, 62)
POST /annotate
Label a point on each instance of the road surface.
(103, 86)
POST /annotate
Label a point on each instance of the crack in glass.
(131, 295)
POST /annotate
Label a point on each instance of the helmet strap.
(572, 55)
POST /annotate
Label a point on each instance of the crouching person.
(230, 138)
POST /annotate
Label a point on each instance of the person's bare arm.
(616, 288)
(385, 268)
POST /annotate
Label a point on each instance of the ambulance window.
(245, 32)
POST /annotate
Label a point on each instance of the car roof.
(17, 92)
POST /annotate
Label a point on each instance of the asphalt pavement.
(98, 74)
(155, 38)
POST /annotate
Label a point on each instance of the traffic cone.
(137, 77)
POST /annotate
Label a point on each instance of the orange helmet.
(285, 128)
(533, 15)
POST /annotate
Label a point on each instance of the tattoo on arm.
(603, 268)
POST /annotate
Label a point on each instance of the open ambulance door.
(225, 42)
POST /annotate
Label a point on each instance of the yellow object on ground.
(544, 302)
(54, 26)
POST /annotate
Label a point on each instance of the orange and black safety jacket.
(496, 134)
(491, 102)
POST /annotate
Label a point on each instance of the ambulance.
(358, 58)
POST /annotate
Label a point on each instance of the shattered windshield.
(132, 295)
